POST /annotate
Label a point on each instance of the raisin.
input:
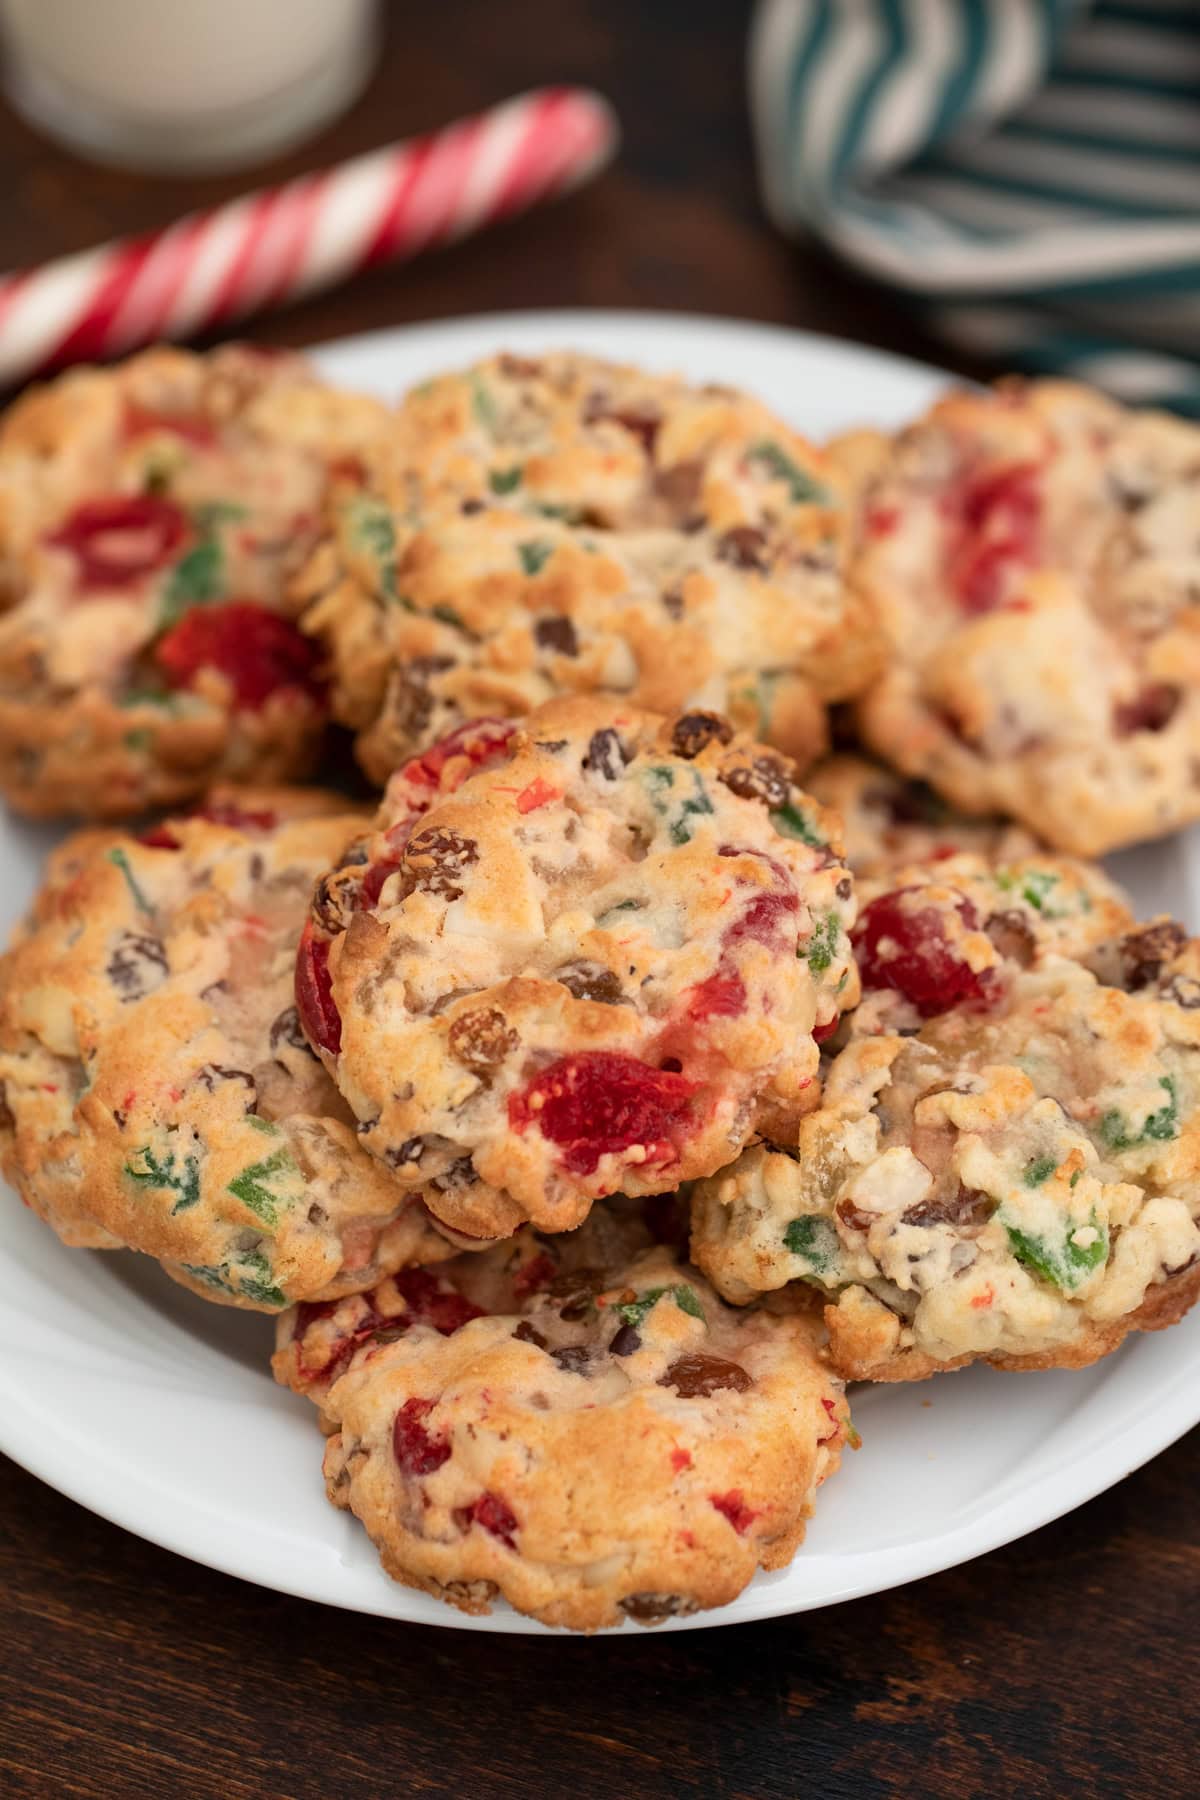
(696, 730)
(529, 1334)
(556, 634)
(591, 981)
(1150, 710)
(415, 1450)
(625, 1341)
(696, 1377)
(854, 1216)
(334, 900)
(648, 1608)
(1012, 935)
(573, 1358)
(409, 703)
(598, 1103)
(121, 538)
(606, 755)
(765, 779)
(459, 1175)
(215, 1075)
(575, 1291)
(1183, 990)
(138, 963)
(482, 1038)
(1144, 953)
(644, 426)
(436, 860)
(8, 1120)
(906, 948)
(681, 488)
(408, 1153)
(519, 368)
(969, 1206)
(744, 546)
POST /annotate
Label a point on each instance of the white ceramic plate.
(157, 1410)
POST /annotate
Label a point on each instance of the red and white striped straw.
(279, 244)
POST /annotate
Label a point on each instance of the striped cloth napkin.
(1027, 170)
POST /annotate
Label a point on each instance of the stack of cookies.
(632, 1072)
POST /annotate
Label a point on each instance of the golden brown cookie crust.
(559, 525)
(1033, 560)
(577, 958)
(158, 1092)
(152, 517)
(614, 1443)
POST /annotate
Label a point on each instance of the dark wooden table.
(1066, 1665)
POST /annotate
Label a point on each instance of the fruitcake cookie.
(1033, 555)
(591, 1440)
(577, 957)
(156, 1090)
(888, 821)
(1017, 1181)
(562, 525)
(151, 517)
(954, 932)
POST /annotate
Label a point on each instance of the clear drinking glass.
(179, 85)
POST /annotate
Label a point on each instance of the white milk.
(185, 84)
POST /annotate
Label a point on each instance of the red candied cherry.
(216, 812)
(905, 947)
(477, 741)
(432, 1302)
(599, 1102)
(259, 653)
(416, 1450)
(722, 996)
(144, 421)
(733, 1507)
(493, 1514)
(314, 993)
(118, 539)
(763, 919)
(998, 515)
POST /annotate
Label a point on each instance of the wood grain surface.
(1066, 1665)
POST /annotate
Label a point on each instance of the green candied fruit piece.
(372, 531)
(251, 1275)
(138, 740)
(814, 1239)
(1062, 1262)
(1036, 887)
(449, 616)
(483, 405)
(660, 786)
(180, 1177)
(1039, 1169)
(789, 821)
(504, 481)
(801, 485)
(822, 945)
(570, 515)
(633, 1312)
(253, 1186)
(120, 860)
(196, 579)
(535, 553)
(1161, 1126)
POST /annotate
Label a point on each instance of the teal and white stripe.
(1029, 170)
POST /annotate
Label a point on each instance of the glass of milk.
(185, 85)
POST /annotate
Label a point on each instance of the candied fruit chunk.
(905, 947)
(121, 538)
(416, 1450)
(259, 653)
(599, 1102)
(314, 993)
